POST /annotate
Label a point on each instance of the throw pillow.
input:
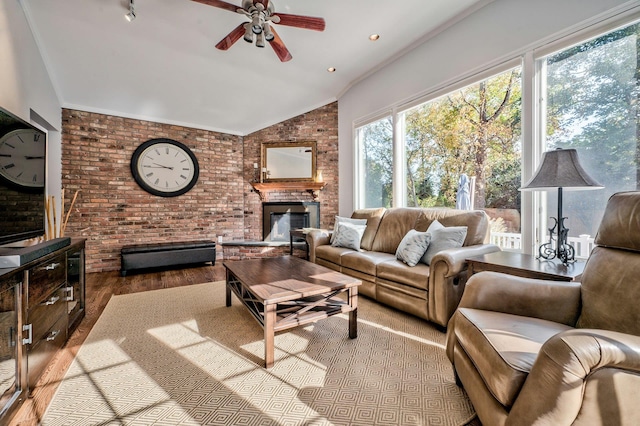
(348, 235)
(412, 247)
(340, 219)
(433, 227)
(443, 238)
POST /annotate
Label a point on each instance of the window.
(474, 132)
(470, 136)
(582, 93)
(375, 163)
(592, 105)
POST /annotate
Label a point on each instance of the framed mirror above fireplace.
(289, 162)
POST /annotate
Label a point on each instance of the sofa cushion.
(412, 247)
(393, 227)
(476, 221)
(373, 216)
(364, 261)
(394, 270)
(348, 235)
(443, 238)
(503, 347)
(331, 254)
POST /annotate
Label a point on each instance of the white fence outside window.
(583, 244)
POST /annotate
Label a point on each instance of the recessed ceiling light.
(374, 37)
(331, 69)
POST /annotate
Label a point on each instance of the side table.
(525, 265)
(298, 233)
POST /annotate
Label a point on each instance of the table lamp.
(560, 169)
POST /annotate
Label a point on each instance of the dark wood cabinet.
(41, 303)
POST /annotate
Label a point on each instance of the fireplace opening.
(282, 223)
(278, 218)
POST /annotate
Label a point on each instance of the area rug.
(179, 356)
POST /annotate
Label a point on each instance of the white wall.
(502, 30)
(25, 87)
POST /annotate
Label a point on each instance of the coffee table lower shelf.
(290, 313)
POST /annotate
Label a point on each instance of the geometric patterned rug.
(179, 356)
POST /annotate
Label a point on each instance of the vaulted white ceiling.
(163, 66)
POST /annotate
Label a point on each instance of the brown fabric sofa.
(430, 291)
(535, 352)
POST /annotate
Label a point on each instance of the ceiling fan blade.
(306, 22)
(278, 46)
(231, 38)
(219, 3)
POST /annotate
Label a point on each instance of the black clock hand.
(28, 157)
(164, 167)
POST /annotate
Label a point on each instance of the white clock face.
(165, 167)
(22, 157)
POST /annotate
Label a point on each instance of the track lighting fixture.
(132, 12)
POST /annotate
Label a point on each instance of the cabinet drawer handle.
(52, 335)
(69, 291)
(51, 267)
(29, 328)
(52, 300)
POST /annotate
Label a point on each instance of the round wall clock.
(22, 157)
(164, 167)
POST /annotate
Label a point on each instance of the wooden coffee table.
(285, 292)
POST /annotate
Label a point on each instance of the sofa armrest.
(558, 384)
(455, 258)
(447, 280)
(315, 238)
(557, 301)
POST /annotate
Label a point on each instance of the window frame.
(532, 60)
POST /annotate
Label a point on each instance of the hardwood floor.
(99, 289)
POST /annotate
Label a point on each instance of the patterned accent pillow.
(340, 219)
(412, 247)
(442, 238)
(348, 235)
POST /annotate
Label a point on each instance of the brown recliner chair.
(535, 352)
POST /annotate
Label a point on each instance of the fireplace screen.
(280, 217)
(281, 223)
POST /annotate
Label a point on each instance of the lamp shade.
(560, 168)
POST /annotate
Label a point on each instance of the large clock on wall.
(164, 167)
(22, 158)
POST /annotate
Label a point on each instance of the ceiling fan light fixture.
(257, 20)
(132, 12)
(268, 34)
(248, 34)
(260, 40)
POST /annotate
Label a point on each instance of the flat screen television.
(23, 166)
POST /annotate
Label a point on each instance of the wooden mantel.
(313, 188)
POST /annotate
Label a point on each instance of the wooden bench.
(158, 255)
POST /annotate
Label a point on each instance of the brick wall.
(112, 210)
(320, 125)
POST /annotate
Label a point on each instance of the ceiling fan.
(262, 13)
